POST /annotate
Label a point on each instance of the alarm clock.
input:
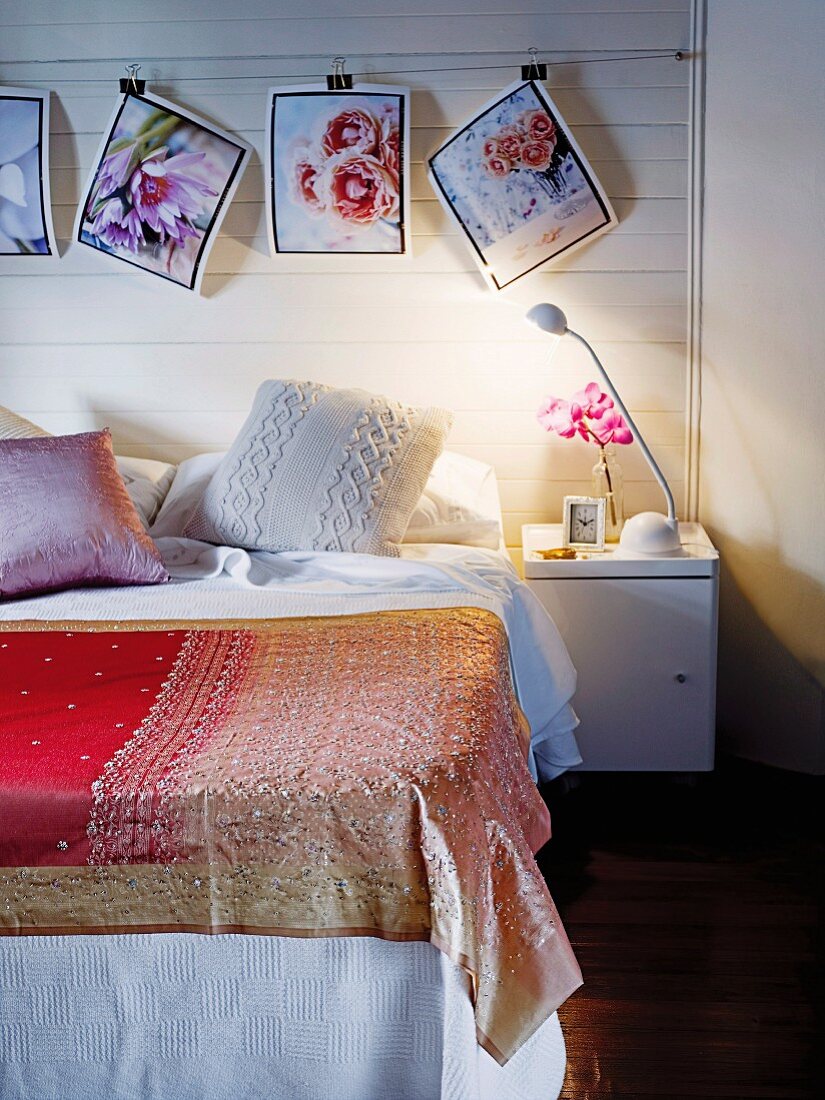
(583, 523)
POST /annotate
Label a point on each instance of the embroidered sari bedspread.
(348, 775)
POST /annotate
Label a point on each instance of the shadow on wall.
(144, 438)
(59, 124)
(770, 707)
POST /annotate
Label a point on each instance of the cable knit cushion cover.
(66, 519)
(316, 468)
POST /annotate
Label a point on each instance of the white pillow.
(191, 481)
(147, 483)
(469, 482)
(460, 503)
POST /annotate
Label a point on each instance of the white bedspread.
(221, 582)
(189, 1017)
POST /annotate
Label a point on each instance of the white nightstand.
(642, 635)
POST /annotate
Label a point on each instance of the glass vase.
(607, 483)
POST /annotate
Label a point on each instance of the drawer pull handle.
(680, 677)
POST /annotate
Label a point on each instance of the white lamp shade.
(548, 318)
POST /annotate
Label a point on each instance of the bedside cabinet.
(642, 635)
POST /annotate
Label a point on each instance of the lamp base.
(651, 534)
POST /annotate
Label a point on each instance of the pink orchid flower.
(612, 429)
(590, 414)
(562, 417)
(594, 403)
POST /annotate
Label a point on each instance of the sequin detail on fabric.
(351, 775)
(127, 824)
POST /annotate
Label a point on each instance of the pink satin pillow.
(66, 520)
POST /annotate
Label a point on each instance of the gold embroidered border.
(265, 897)
(284, 622)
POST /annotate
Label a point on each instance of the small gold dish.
(558, 553)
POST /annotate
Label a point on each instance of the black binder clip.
(338, 80)
(536, 70)
(131, 83)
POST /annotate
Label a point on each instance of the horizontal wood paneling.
(176, 322)
(39, 12)
(86, 342)
(242, 111)
(432, 32)
(457, 374)
(578, 289)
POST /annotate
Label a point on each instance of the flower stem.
(611, 498)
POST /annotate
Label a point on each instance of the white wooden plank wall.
(85, 344)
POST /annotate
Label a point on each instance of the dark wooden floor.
(697, 916)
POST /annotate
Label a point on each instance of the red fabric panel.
(68, 701)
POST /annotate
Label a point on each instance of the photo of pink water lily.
(337, 169)
(161, 185)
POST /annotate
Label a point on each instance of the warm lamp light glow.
(648, 532)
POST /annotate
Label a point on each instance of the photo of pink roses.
(160, 187)
(337, 166)
(519, 186)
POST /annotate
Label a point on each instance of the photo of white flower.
(337, 166)
(518, 185)
(160, 188)
(25, 204)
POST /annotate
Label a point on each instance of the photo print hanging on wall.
(519, 186)
(25, 202)
(338, 169)
(160, 187)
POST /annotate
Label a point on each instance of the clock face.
(583, 527)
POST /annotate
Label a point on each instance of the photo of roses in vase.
(160, 189)
(337, 170)
(518, 185)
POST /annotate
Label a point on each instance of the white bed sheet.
(221, 582)
(179, 1015)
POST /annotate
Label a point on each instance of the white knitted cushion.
(314, 468)
(13, 426)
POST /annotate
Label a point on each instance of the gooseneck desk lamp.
(648, 533)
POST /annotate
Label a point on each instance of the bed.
(190, 911)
